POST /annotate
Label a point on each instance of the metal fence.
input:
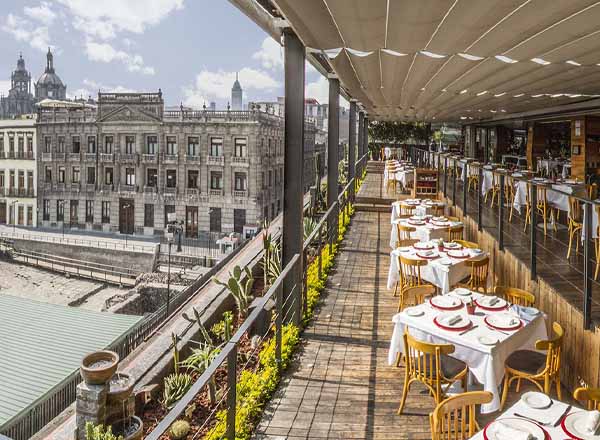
(203, 245)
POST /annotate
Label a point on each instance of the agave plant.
(197, 319)
(309, 225)
(241, 289)
(199, 361)
(273, 268)
(176, 385)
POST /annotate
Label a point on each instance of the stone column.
(333, 141)
(90, 406)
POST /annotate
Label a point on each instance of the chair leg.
(395, 289)
(505, 389)
(558, 388)
(597, 246)
(518, 385)
(570, 243)
(404, 393)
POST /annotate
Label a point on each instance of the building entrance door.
(73, 213)
(126, 218)
(3, 213)
(191, 221)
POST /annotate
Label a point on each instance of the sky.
(190, 49)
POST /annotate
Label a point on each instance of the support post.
(352, 147)
(587, 268)
(231, 391)
(501, 214)
(366, 135)
(294, 55)
(479, 201)
(465, 176)
(361, 140)
(333, 141)
(446, 177)
(454, 183)
(533, 229)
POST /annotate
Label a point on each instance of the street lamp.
(14, 212)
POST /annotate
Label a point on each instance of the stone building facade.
(19, 100)
(18, 172)
(126, 165)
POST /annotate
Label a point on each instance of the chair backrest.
(424, 360)
(417, 294)
(404, 231)
(437, 210)
(479, 273)
(455, 417)
(452, 219)
(553, 348)
(592, 191)
(455, 232)
(591, 396)
(407, 242)
(467, 244)
(515, 296)
(405, 208)
(575, 211)
(410, 271)
(541, 195)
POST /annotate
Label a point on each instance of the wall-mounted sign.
(577, 129)
(576, 149)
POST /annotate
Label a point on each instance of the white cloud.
(42, 13)
(318, 89)
(4, 87)
(105, 53)
(270, 54)
(105, 19)
(217, 85)
(21, 29)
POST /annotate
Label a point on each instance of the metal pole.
(501, 214)
(587, 268)
(333, 139)
(231, 392)
(294, 57)
(454, 183)
(446, 177)
(479, 201)
(361, 140)
(533, 227)
(465, 186)
(278, 323)
(169, 279)
(352, 146)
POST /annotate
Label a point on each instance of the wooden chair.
(479, 274)
(543, 207)
(592, 191)
(494, 190)
(452, 219)
(415, 295)
(515, 296)
(455, 232)
(407, 242)
(591, 396)
(437, 210)
(597, 243)
(456, 417)
(406, 209)
(473, 180)
(538, 368)
(509, 193)
(404, 231)
(467, 244)
(575, 224)
(431, 365)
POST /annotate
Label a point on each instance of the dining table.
(425, 230)
(478, 343)
(420, 206)
(443, 270)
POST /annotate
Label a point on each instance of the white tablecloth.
(486, 363)
(488, 181)
(566, 170)
(435, 273)
(426, 232)
(548, 415)
(555, 198)
(427, 207)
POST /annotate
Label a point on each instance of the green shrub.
(98, 432)
(224, 328)
(179, 430)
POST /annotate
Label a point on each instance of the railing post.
(278, 322)
(533, 226)
(465, 176)
(501, 214)
(454, 183)
(446, 177)
(587, 268)
(320, 247)
(479, 212)
(231, 392)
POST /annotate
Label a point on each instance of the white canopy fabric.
(455, 59)
(55, 103)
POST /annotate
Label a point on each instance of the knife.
(562, 416)
(468, 330)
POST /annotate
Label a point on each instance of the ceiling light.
(431, 54)
(505, 59)
(466, 56)
(463, 117)
(332, 53)
(537, 96)
(358, 53)
(493, 111)
(502, 110)
(519, 95)
(393, 52)
(557, 95)
(462, 92)
(573, 63)
(422, 89)
(498, 95)
(482, 93)
(444, 90)
(574, 95)
(540, 61)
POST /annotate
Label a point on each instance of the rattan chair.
(406, 209)
(431, 365)
(467, 244)
(515, 296)
(455, 232)
(538, 368)
(591, 397)
(575, 224)
(456, 417)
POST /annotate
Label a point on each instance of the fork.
(533, 420)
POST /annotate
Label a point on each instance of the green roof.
(42, 344)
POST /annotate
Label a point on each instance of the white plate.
(536, 400)
(503, 321)
(452, 245)
(575, 422)
(445, 301)
(464, 321)
(462, 291)
(445, 261)
(476, 251)
(458, 254)
(486, 340)
(414, 312)
(404, 249)
(521, 424)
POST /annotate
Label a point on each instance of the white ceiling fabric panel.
(361, 23)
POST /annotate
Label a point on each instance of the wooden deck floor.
(340, 385)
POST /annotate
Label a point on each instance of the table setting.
(422, 207)
(446, 263)
(484, 329)
(427, 227)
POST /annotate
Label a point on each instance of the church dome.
(51, 79)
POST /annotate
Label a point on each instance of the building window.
(262, 180)
(151, 144)
(129, 144)
(76, 175)
(276, 177)
(240, 181)
(91, 144)
(216, 146)
(152, 177)
(2, 179)
(171, 178)
(89, 211)
(108, 144)
(239, 220)
(74, 212)
(216, 180)
(108, 176)
(76, 144)
(130, 176)
(215, 219)
(105, 212)
(29, 215)
(61, 144)
(241, 147)
(91, 175)
(60, 210)
(46, 210)
(193, 146)
(30, 182)
(21, 179)
(171, 145)
(47, 144)
(1, 142)
(270, 178)
(192, 181)
(21, 146)
(61, 174)
(48, 175)
(169, 209)
(149, 215)
(11, 179)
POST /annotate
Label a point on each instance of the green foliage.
(309, 226)
(176, 385)
(98, 432)
(271, 262)
(197, 319)
(224, 328)
(395, 132)
(241, 289)
(179, 429)
(342, 172)
(199, 361)
(175, 352)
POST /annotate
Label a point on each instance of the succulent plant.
(179, 430)
(199, 361)
(224, 328)
(99, 432)
(176, 385)
(241, 289)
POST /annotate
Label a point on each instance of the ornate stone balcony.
(169, 189)
(46, 157)
(107, 157)
(128, 158)
(150, 189)
(89, 157)
(90, 187)
(59, 157)
(128, 188)
(192, 192)
(239, 194)
(192, 158)
(107, 188)
(170, 158)
(215, 160)
(215, 192)
(149, 158)
(75, 187)
(240, 161)
(74, 157)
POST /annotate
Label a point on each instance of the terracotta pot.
(132, 429)
(97, 368)
(118, 392)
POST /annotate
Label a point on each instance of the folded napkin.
(526, 313)
(491, 301)
(592, 420)
(451, 320)
(507, 320)
(505, 432)
(426, 253)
